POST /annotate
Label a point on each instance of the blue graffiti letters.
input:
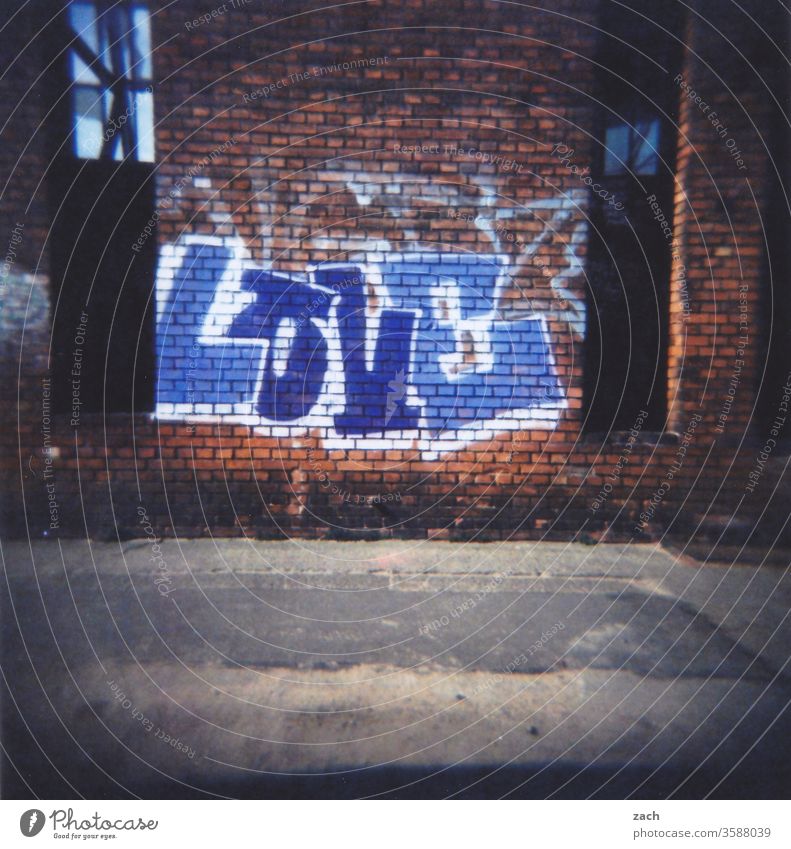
(416, 343)
(375, 397)
(296, 356)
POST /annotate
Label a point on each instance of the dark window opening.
(629, 257)
(101, 194)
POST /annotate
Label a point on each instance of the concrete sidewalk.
(259, 669)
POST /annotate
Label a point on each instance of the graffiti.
(411, 351)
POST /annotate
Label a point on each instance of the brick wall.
(371, 290)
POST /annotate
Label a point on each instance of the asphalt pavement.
(235, 668)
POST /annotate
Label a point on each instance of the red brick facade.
(342, 134)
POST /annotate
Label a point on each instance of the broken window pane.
(88, 122)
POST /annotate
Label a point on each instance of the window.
(632, 147)
(110, 70)
(101, 194)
